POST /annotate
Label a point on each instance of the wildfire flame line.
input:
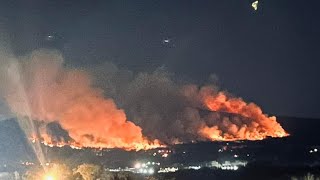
(47, 140)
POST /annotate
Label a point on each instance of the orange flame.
(49, 92)
(43, 89)
(258, 125)
(96, 122)
(47, 140)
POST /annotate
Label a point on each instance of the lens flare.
(49, 177)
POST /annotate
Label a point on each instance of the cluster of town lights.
(144, 168)
(229, 168)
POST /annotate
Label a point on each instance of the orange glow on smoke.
(96, 122)
(49, 92)
(42, 89)
(258, 126)
(90, 119)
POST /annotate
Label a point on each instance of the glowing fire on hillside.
(41, 89)
(251, 124)
(47, 140)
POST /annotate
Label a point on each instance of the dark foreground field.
(253, 171)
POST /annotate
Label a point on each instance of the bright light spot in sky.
(166, 40)
(49, 37)
(255, 5)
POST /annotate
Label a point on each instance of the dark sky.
(270, 56)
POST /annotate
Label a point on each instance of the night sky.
(270, 56)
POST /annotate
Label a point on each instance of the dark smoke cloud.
(154, 101)
(174, 111)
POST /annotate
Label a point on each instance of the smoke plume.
(178, 112)
(160, 109)
(52, 93)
